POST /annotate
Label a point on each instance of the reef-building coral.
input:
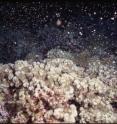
(55, 90)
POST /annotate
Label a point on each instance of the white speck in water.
(80, 33)
(115, 13)
(59, 22)
(94, 13)
(68, 32)
(112, 18)
(58, 14)
(101, 18)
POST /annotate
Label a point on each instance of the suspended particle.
(112, 18)
(94, 13)
(68, 32)
(80, 33)
(58, 22)
(58, 14)
(101, 18)
(81, 28)
(115, 13)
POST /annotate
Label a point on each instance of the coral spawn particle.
(58, 22)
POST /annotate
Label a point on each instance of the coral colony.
(58, 62)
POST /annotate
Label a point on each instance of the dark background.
(31, 27)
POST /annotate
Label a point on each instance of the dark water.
(40, 26)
